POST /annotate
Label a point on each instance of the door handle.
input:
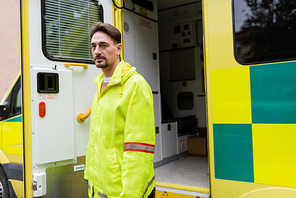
(85, 66)
(81, 117)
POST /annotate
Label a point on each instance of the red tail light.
(42, 109)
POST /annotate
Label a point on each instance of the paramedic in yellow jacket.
(119, 157)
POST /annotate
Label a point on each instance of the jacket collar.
(122, 72)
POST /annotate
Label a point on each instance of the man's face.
(104, 51)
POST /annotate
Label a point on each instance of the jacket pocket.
(115, 169)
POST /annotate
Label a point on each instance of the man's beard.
(100, 65)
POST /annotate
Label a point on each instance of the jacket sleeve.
(139, 138)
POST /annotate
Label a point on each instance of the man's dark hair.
(112, 31)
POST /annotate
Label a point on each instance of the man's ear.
(119, 48)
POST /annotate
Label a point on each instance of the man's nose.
(97, 50)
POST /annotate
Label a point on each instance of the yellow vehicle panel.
(1, 135)
(251, 116)
(18, 187)
(12, 134)
(12, 149)
(159, 194)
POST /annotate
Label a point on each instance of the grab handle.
(85, 66)
(81, 117)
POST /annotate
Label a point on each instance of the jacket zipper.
(108, 87)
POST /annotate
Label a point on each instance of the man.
(119, 157)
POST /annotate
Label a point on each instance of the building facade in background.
(10, 38)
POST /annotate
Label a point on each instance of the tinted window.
(265, 30)
(66, 27)
(16, 100)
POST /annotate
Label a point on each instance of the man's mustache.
(100, 57)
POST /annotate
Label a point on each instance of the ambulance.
(223, 83)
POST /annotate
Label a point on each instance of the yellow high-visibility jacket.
(119, 157)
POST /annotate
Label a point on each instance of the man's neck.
(108, 71)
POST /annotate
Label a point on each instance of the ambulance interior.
(164, 40)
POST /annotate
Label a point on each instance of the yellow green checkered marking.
(254, 123)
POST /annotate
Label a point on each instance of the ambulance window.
(16, 99)
(264, 31)
(65, 28)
